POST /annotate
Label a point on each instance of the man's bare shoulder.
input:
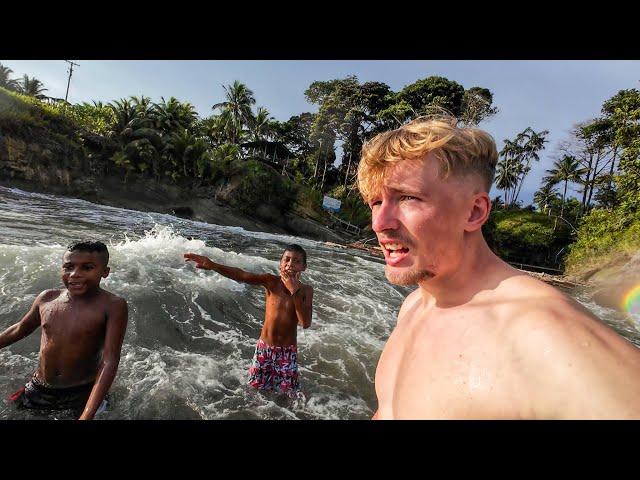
(529, 306)
(525, 287)
(569, 362)
(545, 326)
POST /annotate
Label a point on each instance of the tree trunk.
(323, 174)
(315, 171)
(592, 184)
(583, 204)
(613, 162)
(346, 175)
(564, 195)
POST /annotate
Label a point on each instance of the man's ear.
(105, 274)
(479, 213)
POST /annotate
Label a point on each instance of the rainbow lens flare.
(632, 301)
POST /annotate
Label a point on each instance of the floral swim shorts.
(275, 368)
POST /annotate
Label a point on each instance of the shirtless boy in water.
(288, 304)
(79, 323)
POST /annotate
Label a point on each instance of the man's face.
(419, 219)
(292, 262)
(82, 271)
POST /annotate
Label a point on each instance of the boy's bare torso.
(73, 334)
(280, 320)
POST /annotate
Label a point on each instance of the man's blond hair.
(460, 151)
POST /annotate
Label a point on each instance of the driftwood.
(375, 251)
(555, 280)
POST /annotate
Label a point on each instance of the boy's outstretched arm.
(27, 325)
(230, 272)
(116, 326)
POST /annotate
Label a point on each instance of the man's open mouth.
(394, 251)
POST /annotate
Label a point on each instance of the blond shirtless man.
(477, 339)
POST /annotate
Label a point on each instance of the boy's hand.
(200, 260)
(291, 280)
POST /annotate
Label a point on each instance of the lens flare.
(632, 301)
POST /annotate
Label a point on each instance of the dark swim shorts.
(38, 395)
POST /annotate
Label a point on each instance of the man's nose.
(384, 217)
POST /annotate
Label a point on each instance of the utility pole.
(71, 64)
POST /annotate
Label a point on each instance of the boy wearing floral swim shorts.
(288, 304)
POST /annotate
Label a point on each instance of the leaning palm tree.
(5, 80)
(566, 170)
(32, 87)
(239, 99)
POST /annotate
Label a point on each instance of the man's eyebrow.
(406, 190)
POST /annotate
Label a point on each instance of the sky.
(549, 95)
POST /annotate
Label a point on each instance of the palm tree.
(5, 81)
(545, 196)
(237, 106)
(505, 179)
(213, 128)
(32, 87)
(171, 116)
(185, 150)
(566, 170)
(132, 132)
(529, 151)
(508, 170)
(260, 125)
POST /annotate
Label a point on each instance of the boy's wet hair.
(90, 246)
(294, 247)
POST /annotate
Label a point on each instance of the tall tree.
(236, 109)
(477, 105)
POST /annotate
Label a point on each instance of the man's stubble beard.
(409, 277)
